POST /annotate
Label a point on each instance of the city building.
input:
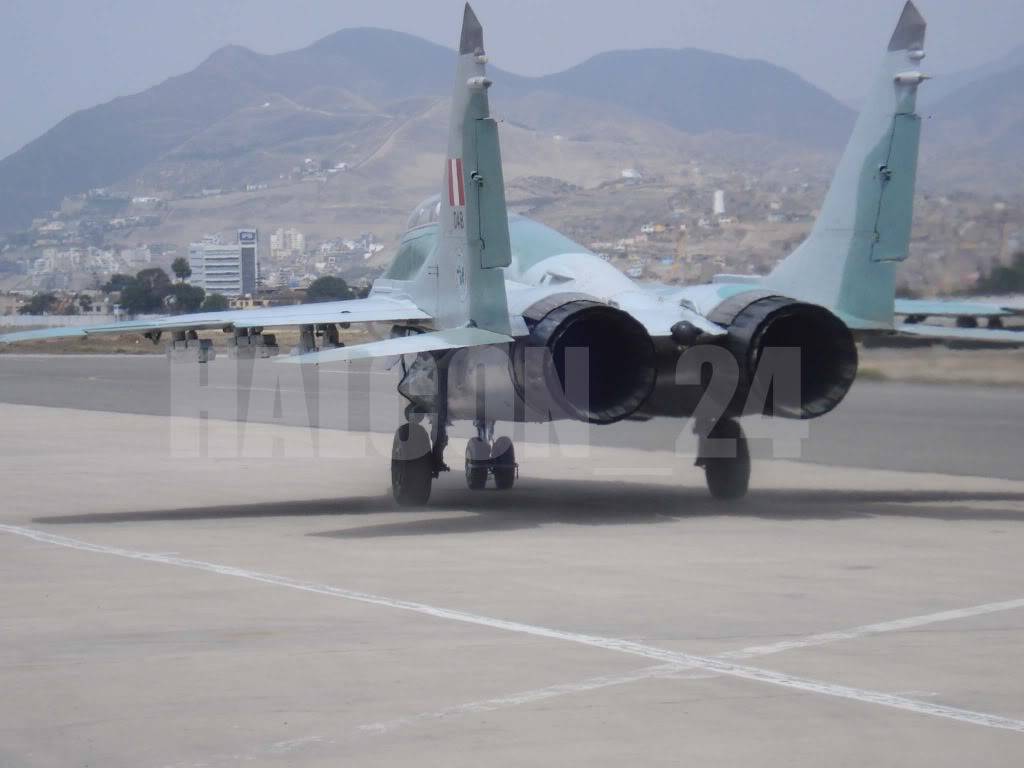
(718, 206)
(287, 242)
(230, 270)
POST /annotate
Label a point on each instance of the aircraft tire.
(503, 463)
(476, 475)
(412, 466)
(728, 477)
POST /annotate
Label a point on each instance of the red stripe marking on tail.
(462, 190)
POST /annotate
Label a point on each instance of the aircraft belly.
(480, 385)
(669, 397)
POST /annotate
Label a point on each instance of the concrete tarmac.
(881, 425)
(183, 592)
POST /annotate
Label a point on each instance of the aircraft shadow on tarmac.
(537, 502)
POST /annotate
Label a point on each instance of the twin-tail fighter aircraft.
(498, 318)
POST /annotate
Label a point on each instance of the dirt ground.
(942, 365)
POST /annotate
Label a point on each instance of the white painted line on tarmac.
(866, 630)
(538, 694)
(707, 664)
(677, 671)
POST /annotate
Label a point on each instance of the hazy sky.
(58, 56)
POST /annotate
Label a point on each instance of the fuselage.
(545, 264)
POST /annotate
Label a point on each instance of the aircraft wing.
(947, 308)
(432, 341)
(983, 336)
(372, 309)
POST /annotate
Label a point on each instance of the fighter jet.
(498, 318)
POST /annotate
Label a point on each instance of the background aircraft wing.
(372, 309)
(981, 336)
(948, 308)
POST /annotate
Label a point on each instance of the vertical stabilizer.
(848, 262)
(474, 242)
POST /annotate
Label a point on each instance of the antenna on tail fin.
(473, 243)
(848, 262)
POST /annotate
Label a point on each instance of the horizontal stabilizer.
(434, 341)
(983, 335)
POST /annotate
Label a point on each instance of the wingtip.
(910, 30)
(472, 33)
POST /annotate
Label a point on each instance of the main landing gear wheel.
(412, 466)
(478, 456)
(483, 459)
(503, 463)
(728, 474)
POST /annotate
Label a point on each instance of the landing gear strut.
(725, 456)
(416, 456)
(485, 458)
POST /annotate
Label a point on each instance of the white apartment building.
(230, 270)
(285, 242)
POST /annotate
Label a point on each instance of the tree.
(181, 269)
(39, 304)
(146, 291)
(1004, 279)
(215, 302)
(187, 298)
(84, 302)
(328, 289)
(117, 283)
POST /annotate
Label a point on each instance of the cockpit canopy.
(532, 242)
(427, 212)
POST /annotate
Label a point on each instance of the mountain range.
(375, 101)
(244, 116)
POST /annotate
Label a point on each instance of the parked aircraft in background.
(499, 318)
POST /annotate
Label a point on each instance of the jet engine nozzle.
(583, 359)
(809, 337)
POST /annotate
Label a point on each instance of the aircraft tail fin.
(848, 262)
(473, 243)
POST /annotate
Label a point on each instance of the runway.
(197, 592)
(882, 425)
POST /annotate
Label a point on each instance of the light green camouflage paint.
(848, 261)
